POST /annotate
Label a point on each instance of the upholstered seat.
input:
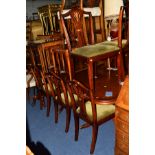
(102, 110)
(48, 87)
(96, 49)
(69, 98)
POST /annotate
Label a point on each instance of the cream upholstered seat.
(102, 110)
(69, 98)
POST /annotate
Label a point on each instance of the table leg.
(90, 74)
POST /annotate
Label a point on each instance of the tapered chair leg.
(76, 121)
(56, 112)
(94, 138)
(68, 115)
(48, 106)
(42, 103)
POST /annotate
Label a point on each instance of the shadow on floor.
(37, 148)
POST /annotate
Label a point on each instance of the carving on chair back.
(79, 27)
(77, 17)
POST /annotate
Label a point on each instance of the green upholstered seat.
(102, 110)
(95, 50)
(99, 48)
(69, 98)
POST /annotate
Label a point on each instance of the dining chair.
(78, 31)
(49, 18)
(46, 59)
(61, 97)
(79, 35)
(56, 70)
(86, 107)
(34, 77)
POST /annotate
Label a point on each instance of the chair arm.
(105, 101)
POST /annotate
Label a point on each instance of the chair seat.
(49, 88)
(69, 98)
(95, 50)
(102, 110)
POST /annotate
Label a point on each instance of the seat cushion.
(49, 88)
(69, 98)
(95, 50)
(102, 110)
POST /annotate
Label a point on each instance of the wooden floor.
(106, 83)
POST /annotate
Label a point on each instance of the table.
(90, 55)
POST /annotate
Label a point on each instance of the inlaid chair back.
(77, 27)
(93, 112)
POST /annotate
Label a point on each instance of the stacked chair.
(56, 72)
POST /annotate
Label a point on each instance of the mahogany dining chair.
(90, 110)
(79, 36)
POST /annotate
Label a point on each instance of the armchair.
(93, 112)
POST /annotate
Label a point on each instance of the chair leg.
(34, 97)
(94, 138)
(68, 116)
(76, 121)
(28, 93)
(56, 112)
(48, 105)
(42, 103)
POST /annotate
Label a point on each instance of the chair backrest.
(55, 59)
(31, 51)
(62, 63)
(120, 26)
(77, 26)
(83, 95)
(57, 87)
(49, 18)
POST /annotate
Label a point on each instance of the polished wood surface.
(106, 81)
(122, 120)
